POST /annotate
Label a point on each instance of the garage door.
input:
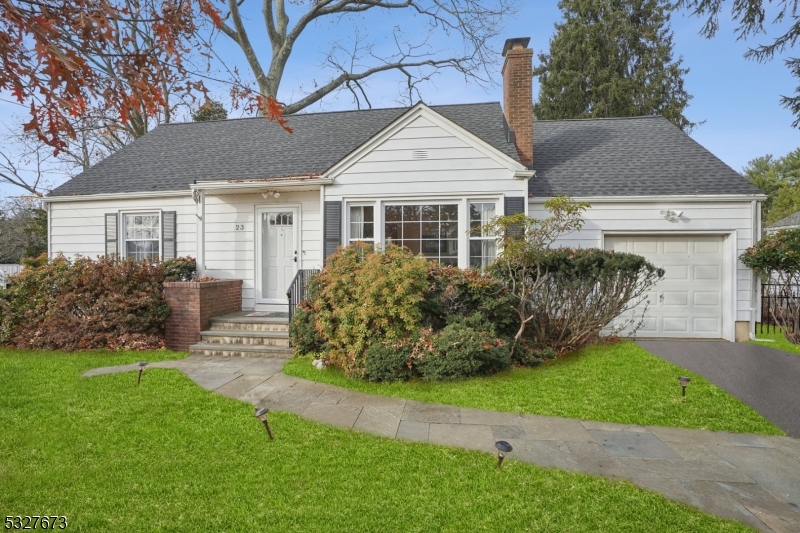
(687, 302)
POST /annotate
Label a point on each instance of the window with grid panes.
(482, 246)
(362, 223)
(142, 236)
(429, 230)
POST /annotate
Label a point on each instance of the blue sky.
(737, 99)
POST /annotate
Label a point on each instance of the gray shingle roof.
(173, 156)
(791, 220)
(639, 156)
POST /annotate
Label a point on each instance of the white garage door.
(687, 302)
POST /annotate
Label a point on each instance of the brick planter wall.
(193, 304)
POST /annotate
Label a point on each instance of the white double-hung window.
(142, 235)
(482, 246)
(362, 224)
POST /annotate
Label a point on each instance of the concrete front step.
(249, 324)
(259, 338)
(241, 350)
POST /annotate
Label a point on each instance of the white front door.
(688, 301)
(276, 252)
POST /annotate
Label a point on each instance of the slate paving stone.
(359, 398)
(777, 515)
(549, 454)
(331, 397)
(744, 439)
(288, 399)
(427, 412)
(221, 368)
(555, 429)
(343, 416)
(268, 367)
(508, 432)
(775, 471)
(489, 418)
(211, 380)
(685, 469)
(702, 494)
(239, 386)
(610, 426)
(410, 430)
(690, 436)
(469, 436)
(282, 380)
(379, 421)
(632, 444)
(694, 451)
(258, 393)
(593, 460)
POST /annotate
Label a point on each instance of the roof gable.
(787, 222)
(423, 121)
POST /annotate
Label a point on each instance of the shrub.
(388, 362)
(305, 337)
(776, 259)
(582, 291)
(179, 269)
(362, 296)
(453, 292)
(465, 348)
(80, 304)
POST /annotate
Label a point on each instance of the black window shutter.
(169, 228)
(514, 205)
(112, 234)
(332, 229)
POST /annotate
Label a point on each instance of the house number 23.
(239, 227)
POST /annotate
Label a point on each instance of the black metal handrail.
(298, 289)
(775, 294)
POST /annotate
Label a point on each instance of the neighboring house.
(6, 271)
(790, 222)
(253, 202)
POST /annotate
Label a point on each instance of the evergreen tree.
(612, 58)
(780, 180)
(211, 110)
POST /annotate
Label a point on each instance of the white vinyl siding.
(230, 253)
(450, 165)
(78, 227)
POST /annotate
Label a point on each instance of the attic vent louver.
(419, 154)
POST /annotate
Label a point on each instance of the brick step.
(249, 324)
(241, 350)
(232, 336)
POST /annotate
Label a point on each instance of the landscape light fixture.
(684, 381)
(141, 365)
(502, 449)
(261, 414)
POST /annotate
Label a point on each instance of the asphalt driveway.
(764, 378)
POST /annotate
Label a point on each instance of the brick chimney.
(518, 95)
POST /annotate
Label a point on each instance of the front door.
(276, 252)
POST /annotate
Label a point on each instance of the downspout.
(47, 206)
(199, 198)
(755, 292)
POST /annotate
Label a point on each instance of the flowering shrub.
(85, 303)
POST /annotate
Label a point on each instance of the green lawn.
(780, 342)
(170, 456)
(611, 383)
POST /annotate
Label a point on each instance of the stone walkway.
(751, 478)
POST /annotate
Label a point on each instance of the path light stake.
(141, 364)
(502, 449)
(261, 414)
(684, 381)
